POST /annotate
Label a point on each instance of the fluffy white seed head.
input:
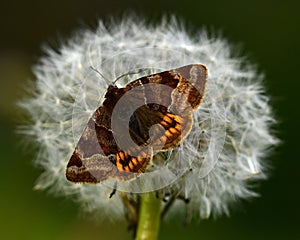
(228, 143)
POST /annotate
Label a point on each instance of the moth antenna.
(105, 79)
(129, 73)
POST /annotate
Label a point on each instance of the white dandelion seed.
(225, 150)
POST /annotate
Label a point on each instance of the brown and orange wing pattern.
(160, 108)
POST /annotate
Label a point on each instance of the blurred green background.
(270, 35)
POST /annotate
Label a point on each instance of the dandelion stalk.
(149, 217)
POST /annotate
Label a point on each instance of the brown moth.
(158, 115)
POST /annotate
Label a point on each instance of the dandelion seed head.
(223, 154)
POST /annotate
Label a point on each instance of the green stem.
(149, 217)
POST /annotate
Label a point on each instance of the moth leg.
(114, 190)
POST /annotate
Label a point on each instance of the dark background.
(269, 33)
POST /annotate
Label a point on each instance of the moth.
(149, 115)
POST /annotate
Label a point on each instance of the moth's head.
(114, 93)
(112, 88)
